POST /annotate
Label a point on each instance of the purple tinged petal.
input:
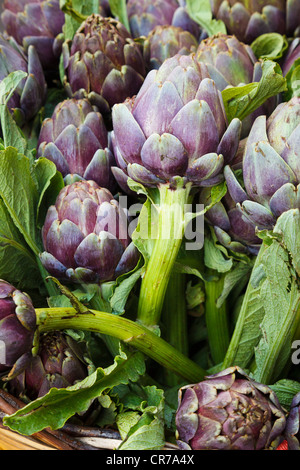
(205, 168)
(128, 260)
(282, 123)
(285, 198)
(195, 126)
(51, 152)
(234, 188)
(128, 135)
(100, 254)
(164, 155)
(122, 180)
(186, 81)
(241, 229)
(62, 241)
(291, 152)
(17, 339)
(264, 171)
(209, 93)
(260, 216)
(95, 122)
(78, 74)
(119, 85)
(140, 174)
(156, 108)
(46, 134)
(52, 265)
(99, 169)
(229, 143)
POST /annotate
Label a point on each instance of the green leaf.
(119, 11)
(214, 258)
(280, 297)
(236, 275)
(269, 46)
(144, 430)
(58, 405)
(17, 263)
(122, 291)
(241, 101)
(285, 390)
(12, 135)
(200, 11)
(19, 194)
(76, 12)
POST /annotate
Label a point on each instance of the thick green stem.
(174, 317)
(168, 239)
(216, 320)
(51, 319)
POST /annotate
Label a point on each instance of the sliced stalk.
(51, 319)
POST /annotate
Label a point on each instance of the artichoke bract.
(249, 19)
(17, 325)
(85, 236)
(292, 55)
(58, 363)
(76, 140)
(271, 177)
(166, 41)
(102, 63)
(145, 15)
(37, 23)
(229, 411)
(30, 94)
(292, 429)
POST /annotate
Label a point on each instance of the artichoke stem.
(167, 242)
(216, 320)
(174, 318)
(139, 337)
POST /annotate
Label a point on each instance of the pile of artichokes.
(129, 130)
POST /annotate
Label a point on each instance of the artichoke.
(17, 325)
(145, 15)
(166, 41)
(292, 55)
(31, 92)
(229, 411)
(249, 19)
(76, 140)
(58, 363)
(270, 180)
(232, 63)
(85, 236)
(38, 23)
(102, 63)
(292, 430)
(175, 126)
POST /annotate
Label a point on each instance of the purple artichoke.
(229, 411)
(145, 15)
(37, 23)
(249, 19)
(103, 63)
(58, 363)
(17, 325)
(232, 63)
(31, 92)
(76, 140)
(292, 430)
(271, 177)
(85, 236)
(175, 127)
(166, 41)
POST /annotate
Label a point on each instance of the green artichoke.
(229, 411)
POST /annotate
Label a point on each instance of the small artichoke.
(175, 126)
(249, 19)
(270, 180)
(229, 411)
(145, 15)
(58, 363)
(17, 325)
(30, 95)
(292, 430)
(166, 41)
(102, 63)
(85, 236)
(76, 140)
(38, 23)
